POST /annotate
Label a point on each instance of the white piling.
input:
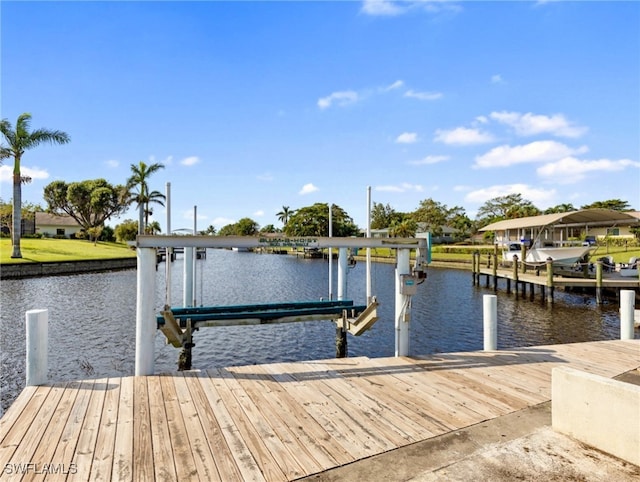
(490, 317)
(342, 273)
(37, 322)
(368, 248)
(145, 313)
(168, 252)
(187, 279)
(627, 309)
(403, 314)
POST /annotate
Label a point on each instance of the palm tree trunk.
(17, 215)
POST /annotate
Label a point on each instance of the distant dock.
(279, 421)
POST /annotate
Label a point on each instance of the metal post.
(627, 310)
(37, 324)
(194, 256)
(168, 252)
(342, 273)
(330, 255)
(403, 315)
(598, 282)
(187, 282)
(145, 315)
(490, 320)
(368, 249)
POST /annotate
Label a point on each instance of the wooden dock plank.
(163, 462)
(356, 443)
(224, 462)
(14, 412)
(280, 442)
(183, 456)
(283, 421)
(85, 449)
(317, 440)
(396, 427)
(263, 457)
(346, 412)
(22, 420)
(392, 393)
(39, 434)
(103, 459)
(45, 453)
(142, 450)
(123, 450)
(205, 464)
(241, 452)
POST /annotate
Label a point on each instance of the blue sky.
(253, 106)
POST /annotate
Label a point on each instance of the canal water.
(92, 317)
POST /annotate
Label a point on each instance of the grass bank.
(42, 250)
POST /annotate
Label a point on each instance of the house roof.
(585, 217)
(48, 219)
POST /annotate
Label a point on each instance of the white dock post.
(342, 273)
(145, 315)
(490, 317)
(37, 322)
(168, 252)
(368, 248)
(187, 281)
(627, 309)
(403, 315)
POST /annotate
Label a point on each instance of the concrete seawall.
(34, 270)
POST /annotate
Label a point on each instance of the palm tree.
(141, 195)
(284, 215)
(18, 141)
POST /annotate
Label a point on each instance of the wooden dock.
(276, 422)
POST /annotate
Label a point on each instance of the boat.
(569, 255)
(630, 269)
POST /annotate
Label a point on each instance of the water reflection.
(92, 317)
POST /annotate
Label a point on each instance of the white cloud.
(112, 163)
(404, 187)
(188, 214)
(407, 138)
(536, 196)
(190, 161)
(497, 79)
(429, 160)
(266, 177)
(308, 189)
(166, 161)
(423, 95)
(538, 151)
(462, 136)
(570, 170)
(389, 8)
(342, 99)
(220, 221)
(259, 213)
(381, 8)
(6, 173)
(531, 124)
(396, 85)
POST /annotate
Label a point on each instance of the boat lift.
(178, 324)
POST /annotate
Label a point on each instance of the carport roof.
(585, 217)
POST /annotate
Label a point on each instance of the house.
(52, 225)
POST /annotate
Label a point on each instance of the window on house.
(613, 231)
(60, 231)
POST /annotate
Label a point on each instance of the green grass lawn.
(48, 249)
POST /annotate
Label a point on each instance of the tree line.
(92, 202)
